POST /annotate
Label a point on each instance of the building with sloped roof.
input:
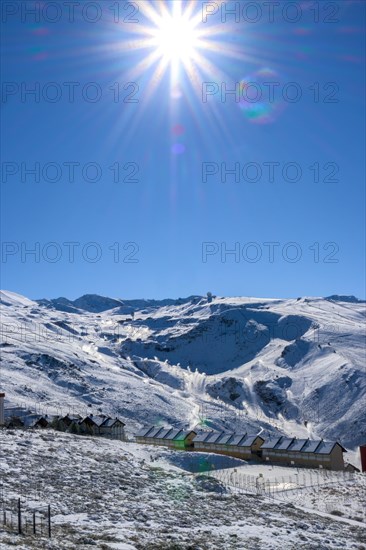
(304, 453)
(90, 424)
(66, 421)
(100, 425)
(142, 433)
(199, 440)
(174, 438)
(38, 420)
(232, 444)
(275, 449)
(287, 451)
(330, 455)
(113, 427)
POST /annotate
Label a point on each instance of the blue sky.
(173, 228)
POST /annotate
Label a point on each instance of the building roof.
(235, 440)
(71, 417)
(297, 445)
(270, 443)
(201, 436)
(224, 439)
(164, 433)
(183, 434)
(214, 436)
(284, 444)
(326, 447)
(144, 431)
(109, 422)
(172, 434)
(154, 432)
(310, 446)
(32, 419)
(98, 419)
(248, 441)
(168, 434)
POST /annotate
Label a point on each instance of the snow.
(114, 494)
(290, 366)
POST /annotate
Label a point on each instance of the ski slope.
(292, 366)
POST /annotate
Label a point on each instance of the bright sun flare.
(176, 38)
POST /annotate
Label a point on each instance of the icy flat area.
(119, 495)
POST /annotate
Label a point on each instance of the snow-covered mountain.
(294, 366)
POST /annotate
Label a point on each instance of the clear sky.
(132, 96)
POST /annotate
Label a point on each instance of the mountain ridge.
(291, 366)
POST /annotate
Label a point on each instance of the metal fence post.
(49, 521)
(34, 523)
(19, 518)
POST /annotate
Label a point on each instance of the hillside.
(118, 495)
(295, 366)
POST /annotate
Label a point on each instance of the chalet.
(45, 421)
(113, 427)
(238, 445)
(183, 440)
(38, 420)
(330, 455)
(90, 425)
(273, 449)
(174, 438)
(250, 446)
(294, 450)
(65, 422)
(233, 444)
(303, 452)
(178, 439)
(141, 435)
(288, 451)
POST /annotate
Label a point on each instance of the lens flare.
(178, 148)
(261, 100)
(178, 130)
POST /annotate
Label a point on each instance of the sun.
(176, 38)
(173, 39)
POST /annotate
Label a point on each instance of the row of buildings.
(168, 437)
(281, 450)
(98, 425)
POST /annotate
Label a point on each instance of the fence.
(17, 517)
(325, 490)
